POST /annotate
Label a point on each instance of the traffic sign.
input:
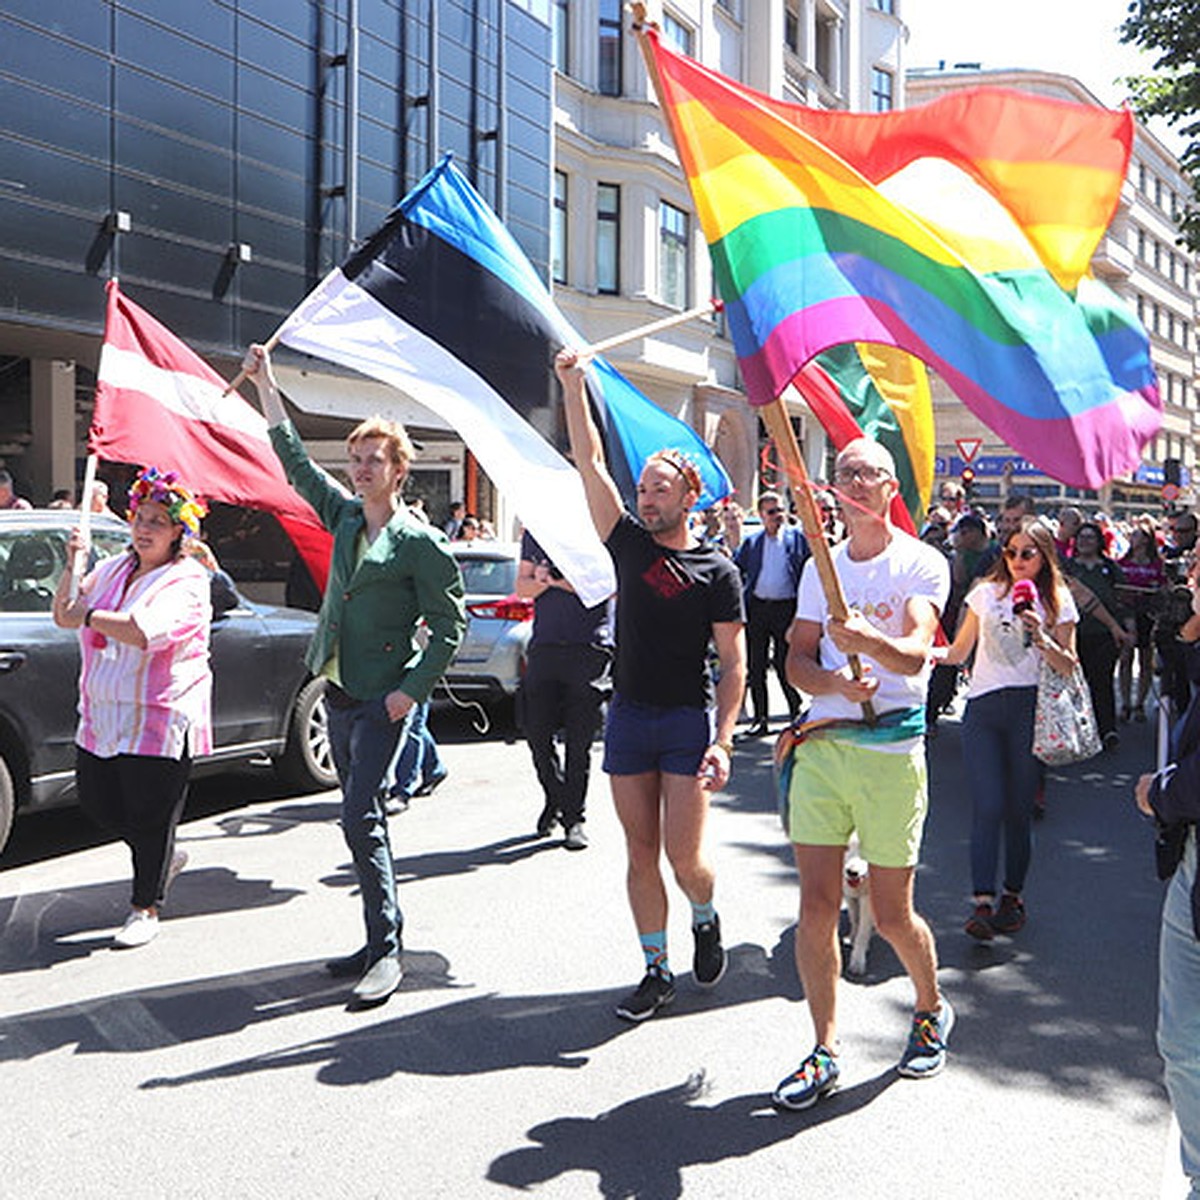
(969, 447)
(1170, 492)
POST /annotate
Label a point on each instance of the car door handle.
(10, 660)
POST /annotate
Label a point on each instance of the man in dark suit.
(770, 562)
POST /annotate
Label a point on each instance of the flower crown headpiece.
(163, 487)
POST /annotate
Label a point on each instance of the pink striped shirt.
(156, 701)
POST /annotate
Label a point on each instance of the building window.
(562, 37)
(1142, 309)
(791, 28)
(1157, 256)
(676, 34)
(1141, 244)
(558, 229)
(1142, 178)
(1158, 192)
(608, 238)
(828, 31)
(885, 6)
(730, 6)
(609, 76)
(882, 91)
(673, 255)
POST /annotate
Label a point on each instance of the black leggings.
(140, 798)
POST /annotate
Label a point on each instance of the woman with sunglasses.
(1010, 636)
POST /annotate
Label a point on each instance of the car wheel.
(8, 804)
(307, 760)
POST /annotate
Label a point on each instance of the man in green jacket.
(389, 572)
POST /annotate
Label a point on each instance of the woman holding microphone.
(1016, 615)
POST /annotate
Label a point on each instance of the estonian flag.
(442, 303)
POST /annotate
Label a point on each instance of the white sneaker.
(179, 860)
(141, 926)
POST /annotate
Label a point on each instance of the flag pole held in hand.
(85, 526)
(630, 335)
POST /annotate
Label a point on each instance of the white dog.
(856, 892)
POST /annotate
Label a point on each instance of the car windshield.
(488, 576)
(31, 561)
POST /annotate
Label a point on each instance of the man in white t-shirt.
(850, 776)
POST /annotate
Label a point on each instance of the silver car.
(490, 663)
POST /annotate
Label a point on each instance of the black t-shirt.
(560, 618)
(667, 603)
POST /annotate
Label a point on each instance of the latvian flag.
(159, 404)
(442, 304)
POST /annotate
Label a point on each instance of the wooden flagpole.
(240, 378)
(779, 426)
(652, 327)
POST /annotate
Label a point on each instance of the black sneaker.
(708, 962)
(656, 990)
(547, 820)
(1010, 915)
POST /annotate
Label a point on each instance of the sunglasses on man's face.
(1024, 554)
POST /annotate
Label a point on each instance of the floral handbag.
(1064, 724)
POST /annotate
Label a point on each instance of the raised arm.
(604, 501)
(257, 365)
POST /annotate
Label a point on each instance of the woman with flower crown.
(145, 686)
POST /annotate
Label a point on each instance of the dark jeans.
(418, 762)
(563, 689)
(139, 798)
(1003, 778)
(767, 624)
(1098, 655)
(363, 741)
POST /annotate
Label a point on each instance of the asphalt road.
(221, 1061)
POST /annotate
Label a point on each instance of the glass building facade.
(218, 132)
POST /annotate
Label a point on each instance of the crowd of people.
(705, 609)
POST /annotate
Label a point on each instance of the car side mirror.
(222, 593)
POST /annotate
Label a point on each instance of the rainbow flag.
(959, 232)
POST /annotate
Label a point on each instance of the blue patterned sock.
(702, 914)
(654, 947)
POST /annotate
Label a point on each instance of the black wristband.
(87, 618)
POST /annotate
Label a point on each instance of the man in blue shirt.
(566, 682)
(770, 561)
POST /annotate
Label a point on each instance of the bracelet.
(727, 747)
(87, 618)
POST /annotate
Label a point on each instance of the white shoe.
(141, 926)
(179, 860)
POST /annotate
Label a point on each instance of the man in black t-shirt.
(661, 750)
(566, 683)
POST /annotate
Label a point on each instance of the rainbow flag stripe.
(959, 232)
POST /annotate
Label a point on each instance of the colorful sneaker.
(925, 1054)
(979, 923)
(815, 1077)
(656, 990)
(1010, 915)
(708, 961)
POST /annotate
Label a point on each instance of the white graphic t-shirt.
(1001, 657)
(879, 588)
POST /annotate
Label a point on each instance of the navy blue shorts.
(641, 738)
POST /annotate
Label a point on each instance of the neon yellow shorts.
(839, 787)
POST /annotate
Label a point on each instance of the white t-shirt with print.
(1001, 657)
(879, 588)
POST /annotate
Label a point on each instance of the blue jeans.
(418, 762)
(363, 741)
(1003, 777)
(1179, 1009)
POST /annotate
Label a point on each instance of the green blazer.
(370, 612)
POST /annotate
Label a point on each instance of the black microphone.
(1024, 594)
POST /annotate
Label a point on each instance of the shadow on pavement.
(192, 1011)
(42, 929)
(677, 1131)
(490, 1032)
